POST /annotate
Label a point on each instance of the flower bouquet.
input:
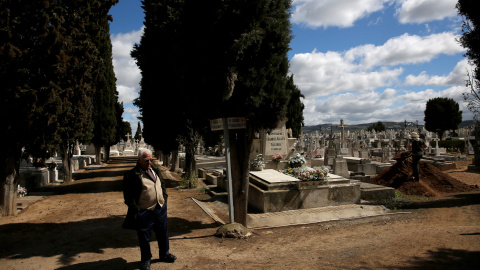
(22, 191)
(276, 158)
(308, 174)
(297, 160)
(257, 163)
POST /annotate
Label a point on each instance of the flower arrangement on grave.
(318, 155)
(22, 191)
(258, 161)
(276, 158)
(297, 160)
(308, 174)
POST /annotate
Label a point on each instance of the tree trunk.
(190, 164)
(9, 168)
(476, 149)
(165, 159)
(158, 154)
(106, 158)
(174, 160)
(240, 148)
(98, 155)
(67, 158)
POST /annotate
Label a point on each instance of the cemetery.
(356, 161)
(314, 171)
(294, 189)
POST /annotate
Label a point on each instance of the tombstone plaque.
(275, 142)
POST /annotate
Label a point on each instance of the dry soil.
(78, 226)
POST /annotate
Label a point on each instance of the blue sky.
(359, 60)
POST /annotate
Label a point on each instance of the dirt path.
(78, 227)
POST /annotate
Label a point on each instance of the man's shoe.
(169, 258)
(145, 265)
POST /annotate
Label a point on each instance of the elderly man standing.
(146, 197)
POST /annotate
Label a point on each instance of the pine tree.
(442, 114)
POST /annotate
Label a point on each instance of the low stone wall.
(33, 178)
(291, 197)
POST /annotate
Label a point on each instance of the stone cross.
(330, 140)
(342, 134)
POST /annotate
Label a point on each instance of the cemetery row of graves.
(314, 170)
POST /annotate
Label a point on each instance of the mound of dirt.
(433, 182)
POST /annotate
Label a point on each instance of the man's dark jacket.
(132, 188)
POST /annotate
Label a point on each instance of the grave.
(128, 151)
(361, 165)
(440, 163)
(340, 167)
(272, 143)
(33, 177)
(273, 191)
(114, 151)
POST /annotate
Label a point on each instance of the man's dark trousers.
(155, 219)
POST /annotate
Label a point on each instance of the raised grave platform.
(208, 162)
(273, 191)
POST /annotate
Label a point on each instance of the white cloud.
(131, 109)
(420, 11)
(456, 77)
(123, 42)
(366, 67)
(340, 13)
(126, 94)
(126, 71)
(406, 49)
(373, 106)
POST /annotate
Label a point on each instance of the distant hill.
(323, 128)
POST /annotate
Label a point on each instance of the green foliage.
(442, 114)
(105, 103)
(261, 91)
(471, 41)
(378, 127)
(120, 124)
(48, 70)
(138, 133)
(159, 57)
(471, 32)
(294, 109)
(127, 129)
(189, 181)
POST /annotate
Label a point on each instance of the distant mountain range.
(322, 128)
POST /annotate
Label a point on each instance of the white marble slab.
(273, 176)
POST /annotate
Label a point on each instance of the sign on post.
(216, 124)
(225, 124)
(232, 122)
(237, 123)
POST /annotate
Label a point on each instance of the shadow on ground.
(456, 200)
(445, 259)
(71, 239)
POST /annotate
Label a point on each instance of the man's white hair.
(143, 151)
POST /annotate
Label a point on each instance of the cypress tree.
(106, 96)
